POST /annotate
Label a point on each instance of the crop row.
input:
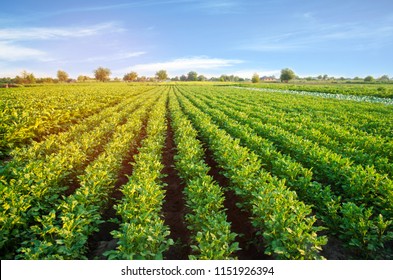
(339, 218)
(29, 191)
(211, 233)
(360, 119)
(384, 91)
(342, 136)
(64, 232)
(55, 143)
(364, 119)
(283, 221)
(363, 185)
(35, 113)
(142, 233)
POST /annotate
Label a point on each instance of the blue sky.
(339, 38)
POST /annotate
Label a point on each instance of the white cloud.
(13, 46)
(345, 36)
(174, 67)
(11, 52)
(46, 33)
(119, 56)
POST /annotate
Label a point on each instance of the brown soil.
(174, 206)
(251, 246)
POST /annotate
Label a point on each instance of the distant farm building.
(268, 79)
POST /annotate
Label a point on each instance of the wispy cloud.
(183, 64)
(14, 41)
(80, 8)
(116, 56)
(46, 33)
(346, 36)
(219, 6)
(11, 52)
(207, 6)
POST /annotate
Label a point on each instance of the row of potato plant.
(381, 90)
(365, 187)
(284, 222)
(212, 238)
(363, 149)
(142, 233)
(361, 185)
(367, 239)
(362, 119)
(55, 142)
(31, 191)
(63, 234)
(31, 114)
(339, 96)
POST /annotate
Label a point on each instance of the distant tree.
(183, 78)
(325, 77)
(201, 78)
(192, 76)
(62, 76)
(287, 75)
(46, 80)
(25, 78)
(82, 78)
(161, 75)
(175, 79)
(129, 77)
(224, 78)
(255, 78)
(384, 78)
(102, 74)
(142, 79)
(369, 79)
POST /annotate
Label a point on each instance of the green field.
(196, 171)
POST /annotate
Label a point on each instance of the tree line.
(103, 74)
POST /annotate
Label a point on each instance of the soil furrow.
(174, 206)
(249, 243)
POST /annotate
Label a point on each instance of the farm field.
(193, 171)
(367, 90)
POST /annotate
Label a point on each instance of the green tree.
(255, 78)
(201, 78)
(129, 77)
(162, 75)
(62, 76)
(384, 78)
(224, 78)
(192, 76)
(25, 78)
(102, 74)
(82, 78)
(287, 75)
(369, 79)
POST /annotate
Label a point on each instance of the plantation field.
(188, 171)
(383, 90)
